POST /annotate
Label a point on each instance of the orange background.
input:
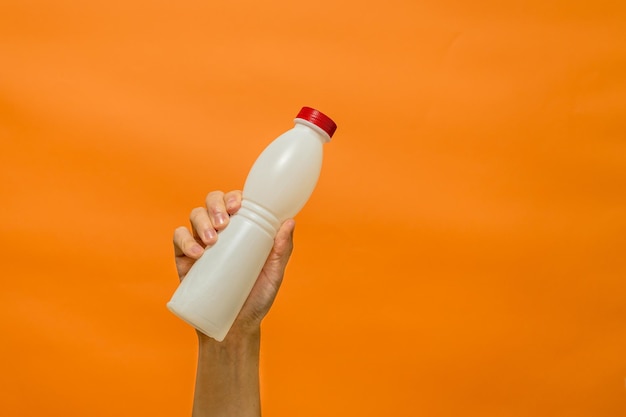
(462, 255)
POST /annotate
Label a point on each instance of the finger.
(202, 227)
(283, 243)
(217, 209)
(185, 244)
(232, 200)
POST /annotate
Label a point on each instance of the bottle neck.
(318, 130)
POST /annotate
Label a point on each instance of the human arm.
(227, 379)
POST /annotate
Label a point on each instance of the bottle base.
(202, 324)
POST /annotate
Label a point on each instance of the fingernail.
(209, 235)
(220, 219)
(196, 249)
(231, 203)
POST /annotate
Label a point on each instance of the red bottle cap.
(319, 119)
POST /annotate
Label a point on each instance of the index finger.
(185, 244)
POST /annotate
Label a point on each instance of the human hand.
(205, 223)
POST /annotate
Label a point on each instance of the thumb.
(283, 244)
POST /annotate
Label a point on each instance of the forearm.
(227, 379)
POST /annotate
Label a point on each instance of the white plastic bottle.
(277, 187)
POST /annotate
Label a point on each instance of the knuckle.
(233, 193)
(216, 207)
(179, 236)
(195, 213)
(215, 202)
(214, 195)
(179, 231)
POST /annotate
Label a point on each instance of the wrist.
(236, 337)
